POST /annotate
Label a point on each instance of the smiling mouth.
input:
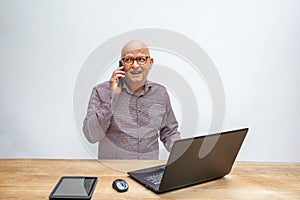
(135, 72)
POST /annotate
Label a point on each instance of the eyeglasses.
(141, 60)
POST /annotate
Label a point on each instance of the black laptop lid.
(201, 159)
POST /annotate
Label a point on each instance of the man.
(128, 113)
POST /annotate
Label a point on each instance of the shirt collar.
(148, 85)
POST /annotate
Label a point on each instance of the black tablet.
(74, 187)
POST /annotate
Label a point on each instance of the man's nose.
(135, 64)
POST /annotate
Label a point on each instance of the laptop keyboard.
(155, 178)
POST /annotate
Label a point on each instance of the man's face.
(137, 72)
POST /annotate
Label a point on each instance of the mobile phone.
(121, 80)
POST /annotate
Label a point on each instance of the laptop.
(192, 161)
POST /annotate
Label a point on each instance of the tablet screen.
(74, 187)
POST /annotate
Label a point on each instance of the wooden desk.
(35, 179)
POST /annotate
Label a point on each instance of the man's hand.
(118, 73)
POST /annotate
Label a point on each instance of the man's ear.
(151, 62)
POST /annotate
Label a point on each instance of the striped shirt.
(127, 126)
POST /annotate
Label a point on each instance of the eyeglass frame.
(135, 59)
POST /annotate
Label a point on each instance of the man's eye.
(128, 60)
(141, 59)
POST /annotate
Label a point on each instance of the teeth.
(135, 72)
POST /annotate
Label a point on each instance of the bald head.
(135, 45)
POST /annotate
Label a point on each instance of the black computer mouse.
(120, 185)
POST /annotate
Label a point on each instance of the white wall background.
(255, 46)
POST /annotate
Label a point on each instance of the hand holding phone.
(117, 79)
(121, 79)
